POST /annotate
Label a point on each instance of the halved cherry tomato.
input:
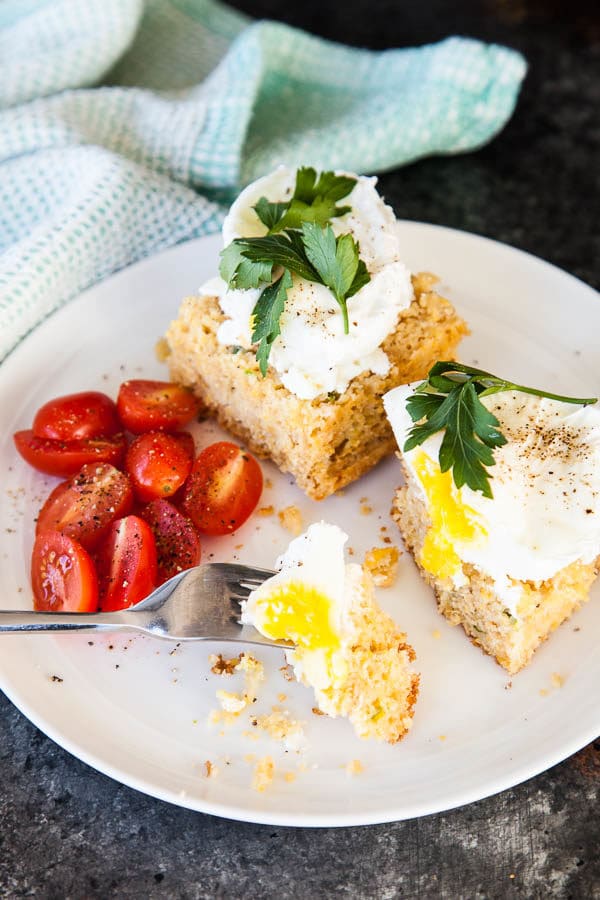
(62, 575)
(159, 463)
(126, 564)
(177, 541)
(77, 416)
(86, 506)
(64, 458)
(223, 488)
(156, 405)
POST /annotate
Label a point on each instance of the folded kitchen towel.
(124, 124)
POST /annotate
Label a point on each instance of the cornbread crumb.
(436, 633)
(251, 666)
(557, 680)
(354, 767)
(264, 772)
(291, 519)
(382, 564)
(287, 672)
(222, 666)
(366, 509)
(282, 697)
(318, 712)
(210, 770)
(217, 716)
(279, 726)
(442, 737)
(324, 444)
(289, 776)
(543, 692)
(265, 511)
(162, 351)
(232, 703)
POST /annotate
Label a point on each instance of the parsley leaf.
(449, 400)
(266, 316)
(336, 261)
(329, 185)
(240, 272)
(270, 213)
(313, 200)
(249, 262)
(299, 242)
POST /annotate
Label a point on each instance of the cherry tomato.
(156, 406)
(62, 575)
(223, 488)
(64, 458)
(126, 564)
(159, 463)
(77, 416)
(86, 506)
(177, 541)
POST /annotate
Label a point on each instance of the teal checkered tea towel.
(124, 124)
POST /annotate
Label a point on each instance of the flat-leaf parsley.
(301, 242)
(449, 400)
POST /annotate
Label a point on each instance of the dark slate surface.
(68, 832)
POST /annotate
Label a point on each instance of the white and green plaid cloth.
(124, 124)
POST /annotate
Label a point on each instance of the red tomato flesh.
(156, 406)
(62, 575)
(65, 458)
(77, 416)
(86, 506)
(159, 463)
(223, 488)
(126, 564)
(177, 541)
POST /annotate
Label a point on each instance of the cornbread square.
(328, 442)
(510, 639)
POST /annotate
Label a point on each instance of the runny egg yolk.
(451, 520)
(300, 613)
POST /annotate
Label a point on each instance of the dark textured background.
(68, 832)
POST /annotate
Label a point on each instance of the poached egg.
(545, 511)
(307, 602)
(313, 355)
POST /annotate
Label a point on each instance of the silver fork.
(200, 604)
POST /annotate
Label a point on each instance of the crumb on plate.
(264, 772)
(382, 564)
(291, 519)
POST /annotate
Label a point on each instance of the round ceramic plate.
(138, 709)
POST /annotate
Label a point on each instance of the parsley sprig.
(449, 400)
(301, 242)
(314, 200)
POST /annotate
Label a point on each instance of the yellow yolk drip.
(451, 520)
(300, 613)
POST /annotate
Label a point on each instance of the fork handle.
(24, 621)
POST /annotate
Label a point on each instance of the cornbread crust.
(379, 689)
(476, 605)
(324, 443)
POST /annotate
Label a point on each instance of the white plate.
(137, 709)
